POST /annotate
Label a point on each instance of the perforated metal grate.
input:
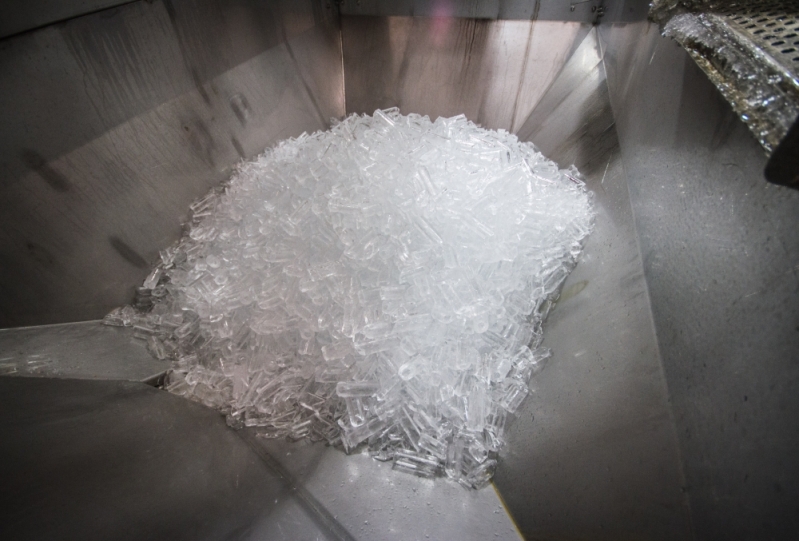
(773, 25)
(750, 50)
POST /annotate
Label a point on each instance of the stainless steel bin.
(669, 408)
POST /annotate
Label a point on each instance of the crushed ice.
(380, 285)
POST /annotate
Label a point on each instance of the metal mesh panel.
(772, 24)
(750, 50)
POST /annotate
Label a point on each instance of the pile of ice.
(381, 284)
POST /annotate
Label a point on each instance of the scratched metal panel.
(114, 122)
(593, 453)
(494, 72)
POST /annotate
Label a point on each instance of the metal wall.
(585, 11)
(23, 15)
(113, 122)
(593, 454)
(614, 452)
(683, 316)
(121, 461)
(494, 72)
(721, 257)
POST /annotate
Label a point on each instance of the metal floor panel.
(372, 501)
(121, 460)
(772, 24)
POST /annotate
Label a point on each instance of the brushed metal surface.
(721, 258)
(600, 460)
(494, 72)
(84, 350)
(593, 453)
(783, 164)
(22, 15)
(372, 501)
(585, 11)
(114, 122)
(573, 122)
(120, 460)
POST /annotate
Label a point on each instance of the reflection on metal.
(585, 11)
(494, 72)
(105, 459)
(114, 122)
(720, 250)
(370, 500)
(332, 526)
(573, 122)
(121, 460)
(596, 434)
(87, 350)
(771, 24)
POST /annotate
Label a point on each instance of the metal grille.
(773, 25)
